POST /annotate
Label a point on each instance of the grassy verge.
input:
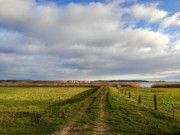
(44, 121)
(126, 117)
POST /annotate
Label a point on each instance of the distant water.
(146, 84)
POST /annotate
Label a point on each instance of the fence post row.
(155, 101)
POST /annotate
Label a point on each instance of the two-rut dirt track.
(100, 126)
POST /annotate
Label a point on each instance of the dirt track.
(67, 129)
(101, 126)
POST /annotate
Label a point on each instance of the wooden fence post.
(173, 110)
(155, 103)
(59, 102)
(129, 94)
(139, 99)
(49, 106)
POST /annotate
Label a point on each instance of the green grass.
(127, 117)
(88, 121)
(34, 98)
(166, 97)
(39, 110)
(44, 110)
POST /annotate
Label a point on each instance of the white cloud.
(150, 12)
(80, 41)
(16, 42)
(176, 47)
(4, 58)
(172, 20)
(15, 9)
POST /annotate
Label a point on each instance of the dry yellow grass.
(169, 85)
(56, 83)
(127, 84)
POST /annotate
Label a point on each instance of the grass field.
(39, 110)
(87, 111)
(127, 117)
(168, 99)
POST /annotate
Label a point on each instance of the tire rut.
(67, 129)
(101, 126)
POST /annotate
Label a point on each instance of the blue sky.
(169, 5)
(90, 40)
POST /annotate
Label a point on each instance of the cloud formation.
(172, 20)
(84, 41)
(149, 11)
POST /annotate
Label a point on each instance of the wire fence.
(154, 100)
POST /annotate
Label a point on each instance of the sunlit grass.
(39, 110)
(168, 99)
(34, 98)
(127, 117)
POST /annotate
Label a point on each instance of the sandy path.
(66, 130)
(101, 126)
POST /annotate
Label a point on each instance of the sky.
(90, 40)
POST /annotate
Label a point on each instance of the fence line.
(169, 109)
